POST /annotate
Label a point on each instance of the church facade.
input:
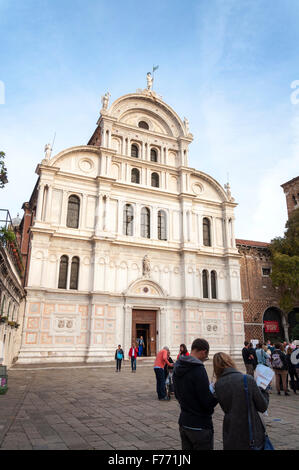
(128, 240)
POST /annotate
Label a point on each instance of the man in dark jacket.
(197, 402)
(280, 367)
(249, 358)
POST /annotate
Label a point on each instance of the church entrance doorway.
(144, 324)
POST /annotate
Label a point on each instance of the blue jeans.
(160, 377)
(133, 363)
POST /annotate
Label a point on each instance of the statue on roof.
(48, 151)
(186, 124)
(149, 80)
(105, 100)
(228, 192)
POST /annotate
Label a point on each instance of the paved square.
(92, 407)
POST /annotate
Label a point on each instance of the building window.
(162, 229)
(206, 232)
(205, 289)
(266, 271)
(213, 285)
(74, 273)
(135, 176)
(73, 210)
(145, 222)
(128, 220)
(154, 155)
(63, 269)
(155, 180)
(3, 306)
(143, 125)
(134, 150)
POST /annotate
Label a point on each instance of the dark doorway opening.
(142, 329)
(273, 314)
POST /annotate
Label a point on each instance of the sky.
(227, 65)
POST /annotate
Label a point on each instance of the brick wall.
(291, 190)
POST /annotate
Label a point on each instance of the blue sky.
(226, 65)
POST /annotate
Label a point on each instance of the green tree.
(3, 171)
(285, 263)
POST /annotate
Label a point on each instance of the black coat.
(191, 388)
(121, 352)
(230, 392)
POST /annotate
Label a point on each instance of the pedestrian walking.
(292, 370)
(119, 356)
(280, 367)
(133, 353)
(160, 362)
(230, 392)
(197, 402)
(183, 351)
(248, 358)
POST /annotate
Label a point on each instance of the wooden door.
(146, 317)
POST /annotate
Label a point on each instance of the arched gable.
(145, 287)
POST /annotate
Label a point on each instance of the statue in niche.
(48, 151)
(146, 266)
(149, 80)
(105, 100)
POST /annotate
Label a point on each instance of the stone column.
(49, 205)
(40, 198)
(127, 327)
(154, 223)
(99, 214)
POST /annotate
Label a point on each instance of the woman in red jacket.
(183, 351)
(133, 353)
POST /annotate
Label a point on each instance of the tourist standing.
(230, 392)
(261, 355)
(183, 351)
(197, 402)
(119, 356)
(160, 362)
(140, 343)
(270, 346)
(248, 358)
(292, 370)
(280, 367)
(133, 355)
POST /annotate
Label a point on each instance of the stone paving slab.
(77, 407)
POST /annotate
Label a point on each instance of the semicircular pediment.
(146, 288)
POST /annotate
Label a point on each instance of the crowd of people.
(238, 394)
(276, 356)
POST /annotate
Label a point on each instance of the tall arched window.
(135, 176)
(73, 210)
(63, 269)
(162, 228)
(128, 217)
(213, 285)
(154, 155)
(205, 287)
(134, 150)
(155, 180)
(74, 273)
(145, 222)
(206, 225)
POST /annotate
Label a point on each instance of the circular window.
(145, 289)
(143, 125)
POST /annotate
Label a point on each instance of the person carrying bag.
(267, 443)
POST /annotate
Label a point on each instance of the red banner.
(271, 326)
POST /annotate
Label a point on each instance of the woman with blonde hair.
(230, 389)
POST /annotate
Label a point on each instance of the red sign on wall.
(271, 326)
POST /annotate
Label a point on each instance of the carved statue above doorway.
(146, 266)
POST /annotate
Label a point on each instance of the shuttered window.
(74, 273)
(155, 180)
(213, 285)
(73, 211)
(162, 228)
(128, 217)
(145, 222)
(135, 176)
(63, 268)
(205, 289)
(206, 232)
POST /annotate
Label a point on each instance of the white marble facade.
(87, 323)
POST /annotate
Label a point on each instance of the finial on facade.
(105, 101)
(48, 151)
(146, 266)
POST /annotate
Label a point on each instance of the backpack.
(276, 361)
(119, 355)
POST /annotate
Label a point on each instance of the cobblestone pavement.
(95, 408)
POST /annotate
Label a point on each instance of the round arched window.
(143, 125)
(134, 151)
(154, 156)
